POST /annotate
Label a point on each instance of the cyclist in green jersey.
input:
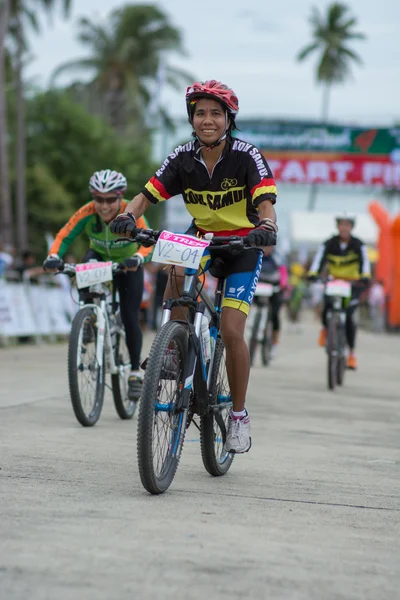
(93, 220)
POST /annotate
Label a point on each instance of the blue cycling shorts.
(241, 273)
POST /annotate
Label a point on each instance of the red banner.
(334, 168)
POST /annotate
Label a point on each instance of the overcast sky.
(251, 45)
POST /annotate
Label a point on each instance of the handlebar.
(70, 269)
(327, 278)
(149, 237)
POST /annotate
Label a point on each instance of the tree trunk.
(312, 199)
(5, 199)
(325, 103)
(22, 217)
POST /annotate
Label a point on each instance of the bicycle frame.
(337, 308)
(196, 373)
(103, 328)
(262, 304)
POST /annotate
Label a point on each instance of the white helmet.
(108, 181)
(346, 216)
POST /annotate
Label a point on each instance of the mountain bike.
(337, 294)
(185, 378)
(261, 331)
(97, 344)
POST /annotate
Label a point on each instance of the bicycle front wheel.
(254, 336)
(86, 377)
(332, 353)
(266, 346)
(119, 381)
(341, 361)
(214, 424)
(161, 427)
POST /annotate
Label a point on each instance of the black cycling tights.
(130, 288)
(351, 327)
(275, 303)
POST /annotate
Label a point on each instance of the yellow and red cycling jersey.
(224, 202)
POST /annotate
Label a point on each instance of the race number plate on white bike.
(338, 288)
(264, 289)
(90, 273)
(179, 249)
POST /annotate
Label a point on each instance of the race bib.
(90, 273)
(179, 249)
(338, 288)
(264, 289)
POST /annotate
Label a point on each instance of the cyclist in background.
(93, 219)
(228, 188)
(295, 294)
(345, 257)
(274, 271)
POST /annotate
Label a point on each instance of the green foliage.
(124, 57)
(331, 35)
(50, 205)
(26, 13)
(65, 145)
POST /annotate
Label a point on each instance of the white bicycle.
(97, 344)
(261, 328)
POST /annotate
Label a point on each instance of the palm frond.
(74, 65)
(307, 50)
(180, 76)
(351, 54)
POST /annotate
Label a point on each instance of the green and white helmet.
(108, 181)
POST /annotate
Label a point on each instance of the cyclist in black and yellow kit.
(228, 188)
(345, 257)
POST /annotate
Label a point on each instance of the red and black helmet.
(216, 91)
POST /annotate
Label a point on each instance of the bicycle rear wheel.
(332, 353)
(161, 429)
(86, 377)
(119, 381)
(214, 424)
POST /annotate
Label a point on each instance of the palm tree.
(125, 54)
(330, 38)
(5, 200)
(23, 13)
(331, 35)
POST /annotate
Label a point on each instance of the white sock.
(135, 374)
(240, 414)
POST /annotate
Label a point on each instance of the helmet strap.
(208, 147)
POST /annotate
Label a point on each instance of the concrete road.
(311, 513)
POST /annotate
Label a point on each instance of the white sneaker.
(274, 351)
(238, 438)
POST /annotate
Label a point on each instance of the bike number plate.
(179, 249)
(264, 289)
(338, 288)
(90, 273)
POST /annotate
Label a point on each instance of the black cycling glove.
(133, 261)
(53, 263)
(123, 224)
(262, 236)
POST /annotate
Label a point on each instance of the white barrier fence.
(28, 309)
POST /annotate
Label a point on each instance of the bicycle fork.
(103, 335)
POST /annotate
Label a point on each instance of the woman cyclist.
(107, 188)
(228, 188)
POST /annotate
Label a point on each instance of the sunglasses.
(106, 200)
